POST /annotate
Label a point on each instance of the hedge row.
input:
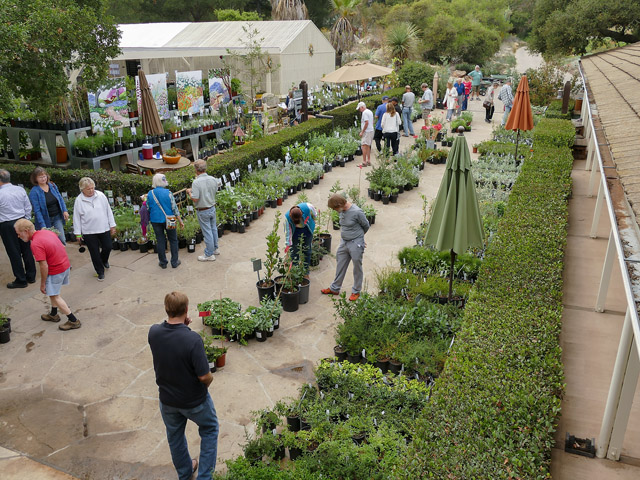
(135, 185)
(493, 412)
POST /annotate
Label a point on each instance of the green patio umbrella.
(455, 223)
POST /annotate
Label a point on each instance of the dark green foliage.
(494, 411)
(414, 74)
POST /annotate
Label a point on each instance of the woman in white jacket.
(451, 99)
(391, 122)
(93, 219)
(488, 102)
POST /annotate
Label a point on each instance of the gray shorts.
(425, 113)
(53, 284)
(367, 138)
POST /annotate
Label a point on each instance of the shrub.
(493, 413)
(415, 74)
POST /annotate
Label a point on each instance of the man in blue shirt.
(14, 205)
(377, 135)
(183, 379)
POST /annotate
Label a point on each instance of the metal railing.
(627, 366)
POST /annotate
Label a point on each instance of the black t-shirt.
(178, 360)
(53, 207)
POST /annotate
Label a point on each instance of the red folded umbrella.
(520, 117)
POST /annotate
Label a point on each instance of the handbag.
(486, 104)
(171, 221)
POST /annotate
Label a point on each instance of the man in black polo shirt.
(183, 378)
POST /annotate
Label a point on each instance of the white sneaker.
(202, 258)
(217, 252)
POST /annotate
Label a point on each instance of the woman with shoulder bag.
(488, 102)
(163, 215)
(49, 208)
(391, 122)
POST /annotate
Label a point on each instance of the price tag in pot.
(237, 172)
(249, 168)
(224, 179)
(233, 177)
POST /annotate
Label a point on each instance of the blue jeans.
(209, 227)
(172, 235)
(175, 421)
(407, 124)
(57, 222)
(507, 111)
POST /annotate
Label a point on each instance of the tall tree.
(343, 30)
(569, 27)
(289, 10)
(43, 42)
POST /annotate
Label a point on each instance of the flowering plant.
(434, 125)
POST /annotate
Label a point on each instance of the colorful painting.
(108, 106)
(158, 85)
(218, 92)
(189, 89)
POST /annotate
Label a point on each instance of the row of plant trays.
(41, 125)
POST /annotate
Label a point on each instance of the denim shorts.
(54, 283)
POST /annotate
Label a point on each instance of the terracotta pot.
(171, 160)
(61, 154)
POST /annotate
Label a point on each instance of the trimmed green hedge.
(135, 185)
(493, 412)
(554, 132)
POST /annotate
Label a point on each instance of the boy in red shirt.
(50, 253)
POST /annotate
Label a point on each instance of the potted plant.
(266, 286)
(171, 156)
(213, 352)
(5, 328)
(263, 322)
(290, 290)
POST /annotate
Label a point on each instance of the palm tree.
(401, 39)
(289, 10)
(342, 32)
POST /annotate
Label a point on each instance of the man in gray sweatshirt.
(353, 226)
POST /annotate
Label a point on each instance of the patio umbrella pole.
(453, 260)
(517, 142)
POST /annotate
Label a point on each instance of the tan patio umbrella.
(151, 124)
(520, 117)
(356, 70)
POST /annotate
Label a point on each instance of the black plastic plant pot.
(191, 247)
(395, 367)
(383, 365)
(394, 198)
(385, 199)
(290, 300)
(340, 353)
(268, 292)
(133, 245)
(304, 291)
(241, 228)
(580, 446)
(377, 196)
(261, 335)
(124, 246)
(293, 423)
(5, 335)
(144, 248)
(182, 243)
(325, 241)
(354, 357)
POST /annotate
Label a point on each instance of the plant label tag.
(228, 187)
(327, 412)
(190, 208)
(136, 208)
(259, 163)
(128, 199)
(364, 354)
(204, 314)
(111, 202)
(239, 205)
(238, 172)
(224, 179)
(266, 161)
(64, 195)
(133, 131)
(233, 176)
(337, 134)
(119, 133)
(249, 168)
(306, 142)
(119, 200)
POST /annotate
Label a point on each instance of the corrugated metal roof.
(614, 81)
(274, 35)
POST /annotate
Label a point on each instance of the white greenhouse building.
(297, 50)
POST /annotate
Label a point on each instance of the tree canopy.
(42, 43)
(562, 27)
